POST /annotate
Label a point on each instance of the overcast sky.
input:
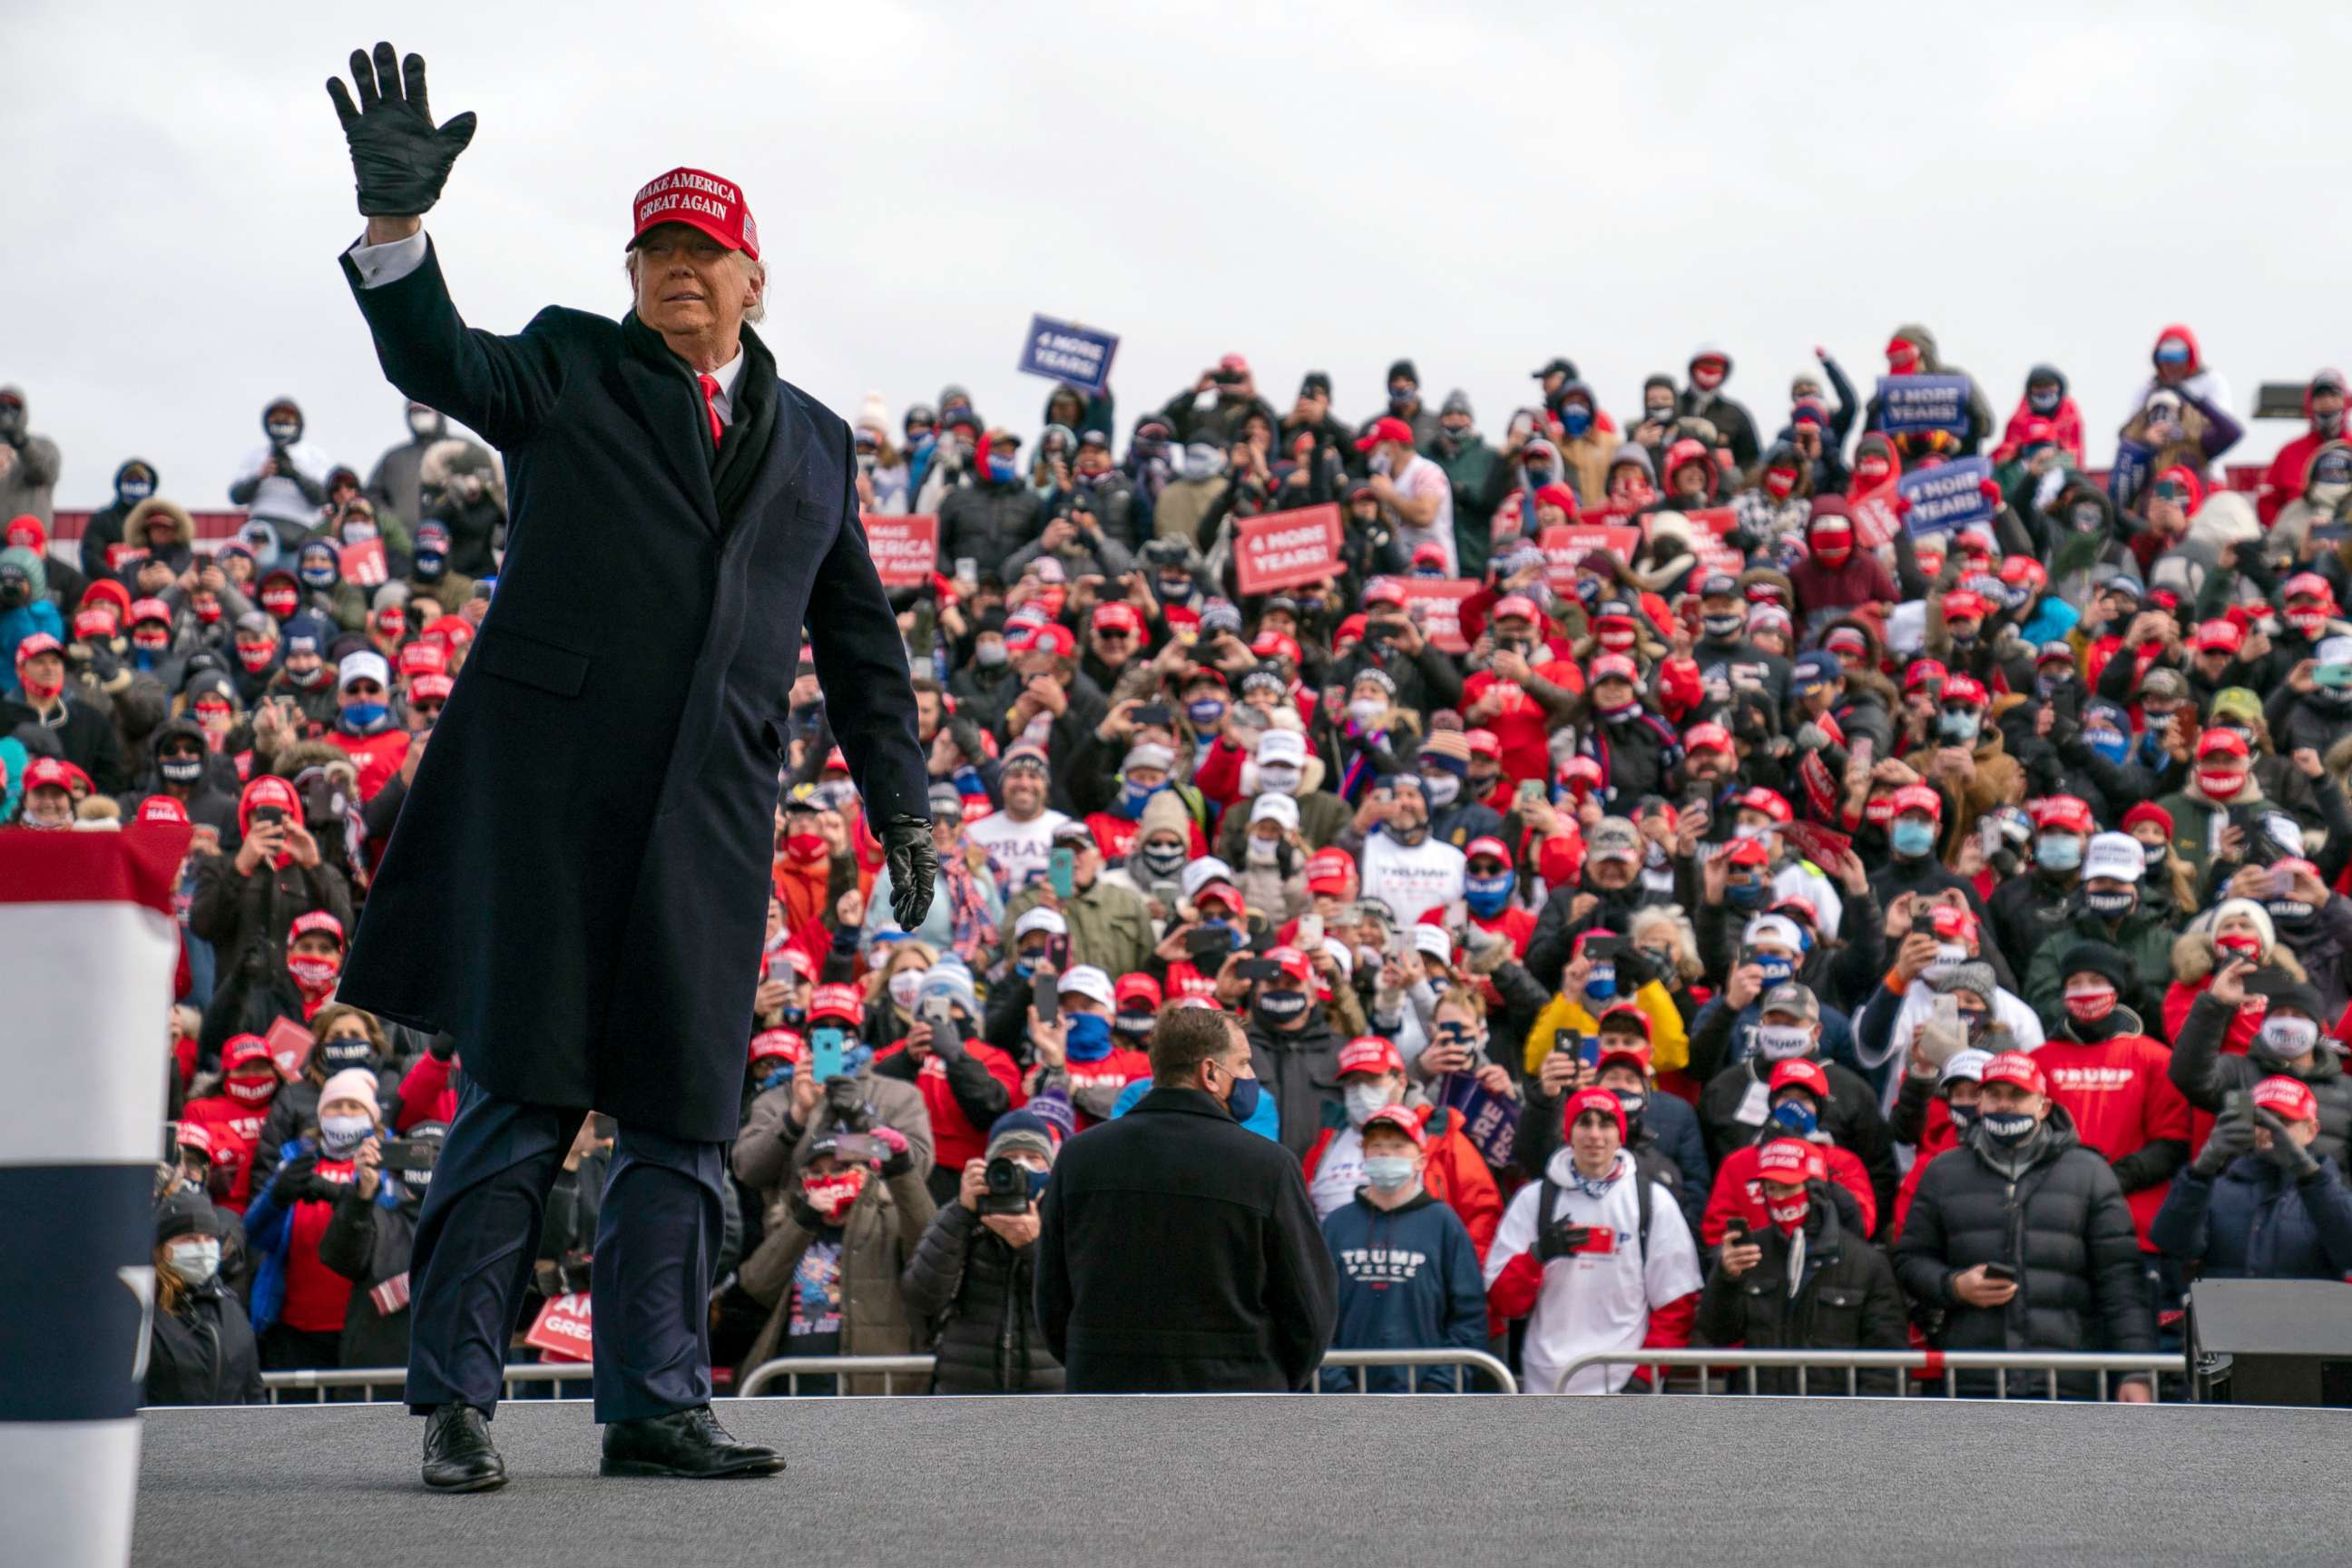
(1323, 186)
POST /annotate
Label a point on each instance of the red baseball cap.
(1330, 870)
(1599, 1100)
(195, 1135)
(785, 1043)
(1135, 988)
(1921, 671)
(1805, 1073)
(1368, 1053)
(1275, 644)
(1787, 1160)
(1292, 962)
(1483, 743)
(1966, 689)
(1386, 427)
(38, 643)
(316, 920)
(431, 687)
(1383, 590)
(2288, 1099)
(150, 610)
(1706, 738)
(1403, 1121)
(2016, 1067)
(244, 1051)
(1614, 666)
(1772, 803)
(1964, 604)
(1951, 922)
(700, 200)
(162, 808)
(93, 625)
(1746, 852)
(2216, 740)
(1919, 797)
(1516, 607)
(1625, 1018)
(451, 631)
(2063, 811)
(421, 657)
(2219, 636)
(1489, 845)
(845, 1003)
(1053, 637)
(1119, 614)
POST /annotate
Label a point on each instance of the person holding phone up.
(251, 893)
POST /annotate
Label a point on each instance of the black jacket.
(2062, 1224)
(204, 1353)
(1301, 1070)
(86, 738)
(1852, 1119)
(1845, 1299)
(2205, 1076)
(369, 1244)
(989, 523)
(673, 699)
(980, 1292)
(1181, 1254)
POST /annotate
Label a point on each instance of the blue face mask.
(1748, 895)
(1774, 968)
(1002, 470)
(1799, 1118)
(2108, 745)
(1911, 837)
(1242, 1104)
(1487, 895)
(1576, 419)
(780, 1075)
(1205, 713)
(364, 715)
(1088, 1039)
(319, 576)
(1037, 1182)
(1601, 985)
(1133, 798)
(1958, 728)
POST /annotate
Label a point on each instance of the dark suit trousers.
(657, 1236)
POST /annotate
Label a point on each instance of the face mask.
(2108, 745)
(2289, 911)
(1911, 837)
(1203, 462)
(39, 689)
(2284, 1039)
(990, 655)
(364, 715)
(251, 1090)
(2009, 1128)
(338, 1135)
(1790, 1215)
(2090, 1003)
(2240, 944)
(1087, 1038)
(2058, 851)
(1747, 894)
(1775, 968)
(1601, 984)
(2110, 906)
(1870, 469)
(1783, 1042)
(1262, 851)
(904, 988)
(1624, 713)
(1164, 860)
(182, 770)
(346, 1051)
(1205, 713)
(280, 601)
(1387, 1173)
(831, 1196)
(1381, 463)
(1281, 778)
(1632, 1103)
(313, 972)
(151, 642)
(2044, 403)
(2219, 784)
(1724, 627)
(1575, 418)
(358, 531)
(1133, 798)
(1002, 470)
(1367, 711)
(1833, 549)
(1486, 895)
(1798, 1117)
(255, 659)
(1362, 1100)
(1443, 790)
(1242, 1103)
(282, 431)
(194, 1259)
(320, 576)
(1959, 728)
(1280, 1008)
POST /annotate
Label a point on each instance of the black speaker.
(2271, 1342)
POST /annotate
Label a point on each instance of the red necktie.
(710, 407)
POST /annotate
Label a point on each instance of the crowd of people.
(1684, 886)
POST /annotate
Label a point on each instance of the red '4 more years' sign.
(1283, 549)
(906, 549)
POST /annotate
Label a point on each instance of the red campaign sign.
(1717, 521)
(561, 1332)
(1876, 522)
(1565, 544)
(906, 549)
(289, 1048)
(1283, 549)
(1436, 606)
(364, 564)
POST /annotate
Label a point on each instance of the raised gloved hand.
(2231, 1136)
(400, 157)
(913, 867)
(2288, 1155)
(1561, 1240)
(900, 1158)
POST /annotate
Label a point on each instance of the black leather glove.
(297, 1178)
(2288, 1155)
(1559, 1240)
(2231, 1136)
(400, 158)
(913, 867)
(846, 1102)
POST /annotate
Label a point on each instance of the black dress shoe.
(458, 1454)
(689, 1443)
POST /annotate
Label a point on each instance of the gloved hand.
(901, 1158)
(846, 1102)
(400, 159)
(2288, 1155)
(297, 1178)
(2231, 1136)
(914, 866)
(443, 1046)
(1559, 1240)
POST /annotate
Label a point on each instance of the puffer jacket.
(2061, 1222)
(988, 523)
(1845, 1299)
(2246, 1224)
(978, 1290)
(2205, 1076)
(879, 1235)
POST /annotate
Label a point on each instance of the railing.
(1460, 1361)
(792, 1368)
(369, 1379)
(1926, 1366)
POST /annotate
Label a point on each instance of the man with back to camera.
(665, 451)
(1179, 1252)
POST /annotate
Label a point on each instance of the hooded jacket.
(288, 501)
(2207, 1077)
(1931, 362)
(2252, 1222)
(2065, 421)
(880, 1234)
(1734, 427)
(2283, 481)
(1409, 1280)
(1300, 1068)
(37, 615)
(179, 554)
(204, 1353)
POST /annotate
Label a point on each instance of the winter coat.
(2124, 1105)
(2206, 1077)
(2252, 1223)
(1852, 1118)
(1408, 1280)
(770, 1149)
(879, 1235)
(234, 912)
(2144, 936)
(2192, 973)
(1845, 1298)
(204, 1353)
(1110, 925)
(2062, 1224)
(988, 521)
(1181, 1254)
(369, 1243)
(979, 1292)
(632, 1001)
(1300, 1068)
(288, 501)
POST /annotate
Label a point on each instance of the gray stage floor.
(1289, 1482)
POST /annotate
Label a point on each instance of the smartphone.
(274, 815)
(1046, 993)
(1570, 1041)
(2281, 883)
(1531, 791)
(826, 1047)
(1735, 1231)
(1062, 872)
(1154, 713)
(409, 1154)
(2000, 1271)
(1309, 933)
(966, 569)
(1863, 752)
(939, 1012)
(1256, 969)
(1208, 944)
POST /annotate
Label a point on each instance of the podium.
(2271, 1342)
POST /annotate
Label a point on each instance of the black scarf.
(754, 400)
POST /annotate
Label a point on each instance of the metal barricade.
(792, 1368)
(1463, 1363)
(1926, 1366)
(369, 1380)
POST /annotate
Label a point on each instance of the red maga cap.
(2017, 1067)
(1368, 1053)
(2288, 1099)
(1787, 1160)
(712, 205)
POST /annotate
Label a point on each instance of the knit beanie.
(950, 978)
(1020, 1132)
(2252, 911)
(2098, 958)
(352, 1083)
(1975, 976)
(185, 1214)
